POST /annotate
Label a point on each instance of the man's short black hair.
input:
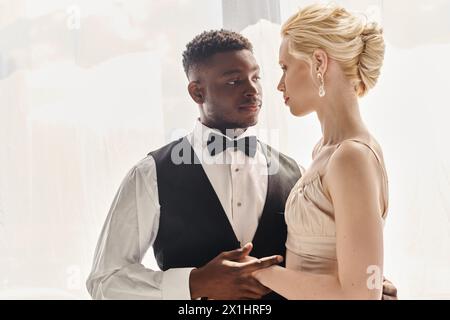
(208, 43)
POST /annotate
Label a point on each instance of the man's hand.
(229, 276)
(389, 290)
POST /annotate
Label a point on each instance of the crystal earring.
(322, 85)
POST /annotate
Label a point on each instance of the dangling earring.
(322, 85)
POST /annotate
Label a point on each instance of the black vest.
(194, 228)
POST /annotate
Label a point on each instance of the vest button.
(239, 204)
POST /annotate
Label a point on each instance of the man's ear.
(196, 92)
(320, 61)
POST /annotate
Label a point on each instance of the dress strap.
(368, 146)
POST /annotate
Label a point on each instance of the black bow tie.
(217, 144)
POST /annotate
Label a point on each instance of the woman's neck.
(340, 119)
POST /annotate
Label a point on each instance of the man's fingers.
(389, 289)
(262, 263)
(277, 258)
(239, 253)
(386, 297)
(251, 294)
(256, 287)
(246, 249)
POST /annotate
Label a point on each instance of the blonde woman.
(336, 211)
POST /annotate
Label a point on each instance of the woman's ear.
(196, 92)
(320, 61)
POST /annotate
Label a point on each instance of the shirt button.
(239, 204)
(236, 170)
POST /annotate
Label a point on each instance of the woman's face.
(300, 89)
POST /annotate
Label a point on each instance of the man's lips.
(251, 105)
(286, 99)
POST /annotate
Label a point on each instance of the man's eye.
(257, 78)
(232, 83)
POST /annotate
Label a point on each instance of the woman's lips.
(286, 99)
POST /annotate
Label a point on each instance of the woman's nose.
(280, 86)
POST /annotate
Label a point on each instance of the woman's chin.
(299, 112)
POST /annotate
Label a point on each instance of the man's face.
(231, 90)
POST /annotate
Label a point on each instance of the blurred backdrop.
(89, 87)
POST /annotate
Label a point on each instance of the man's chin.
(248, 123)
(242, 122)
(253, 123)
(252, 120)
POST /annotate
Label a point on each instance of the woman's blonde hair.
(358, 46)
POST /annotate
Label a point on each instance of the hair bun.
(358, 46)
(371, 57)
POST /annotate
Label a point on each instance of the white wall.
(87, 88)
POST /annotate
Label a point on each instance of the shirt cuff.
(175, 284)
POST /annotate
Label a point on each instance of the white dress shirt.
(132, 223)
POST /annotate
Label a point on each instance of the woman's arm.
(354, 183)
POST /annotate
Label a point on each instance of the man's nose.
(252, 89)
